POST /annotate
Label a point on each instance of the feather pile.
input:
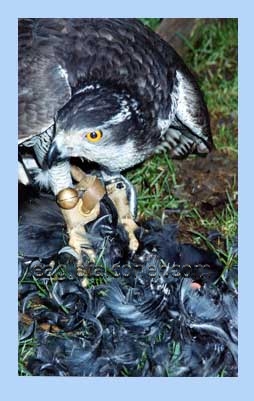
(168, 310)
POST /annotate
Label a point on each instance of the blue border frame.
(26, 388)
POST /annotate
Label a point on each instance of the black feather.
(139, 324)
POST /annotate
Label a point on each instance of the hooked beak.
(54, 155)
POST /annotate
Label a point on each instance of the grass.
(226, 222)
(151, 22)
(26, 350)
(213, 57)
(153, 181)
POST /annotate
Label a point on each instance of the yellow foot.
(80, 206)
(75, 223)
(117, 193)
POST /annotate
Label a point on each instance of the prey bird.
(110, 91)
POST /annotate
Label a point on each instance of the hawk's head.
(103, 126)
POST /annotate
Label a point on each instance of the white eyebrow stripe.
(87, 88)
(122, 115)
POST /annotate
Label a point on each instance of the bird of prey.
(110, 91)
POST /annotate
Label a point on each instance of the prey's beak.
(54, 155)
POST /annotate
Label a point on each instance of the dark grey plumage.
(142, 323)
(113, 75)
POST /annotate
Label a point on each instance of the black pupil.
(94, 135)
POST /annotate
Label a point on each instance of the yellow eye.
(94, 136)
